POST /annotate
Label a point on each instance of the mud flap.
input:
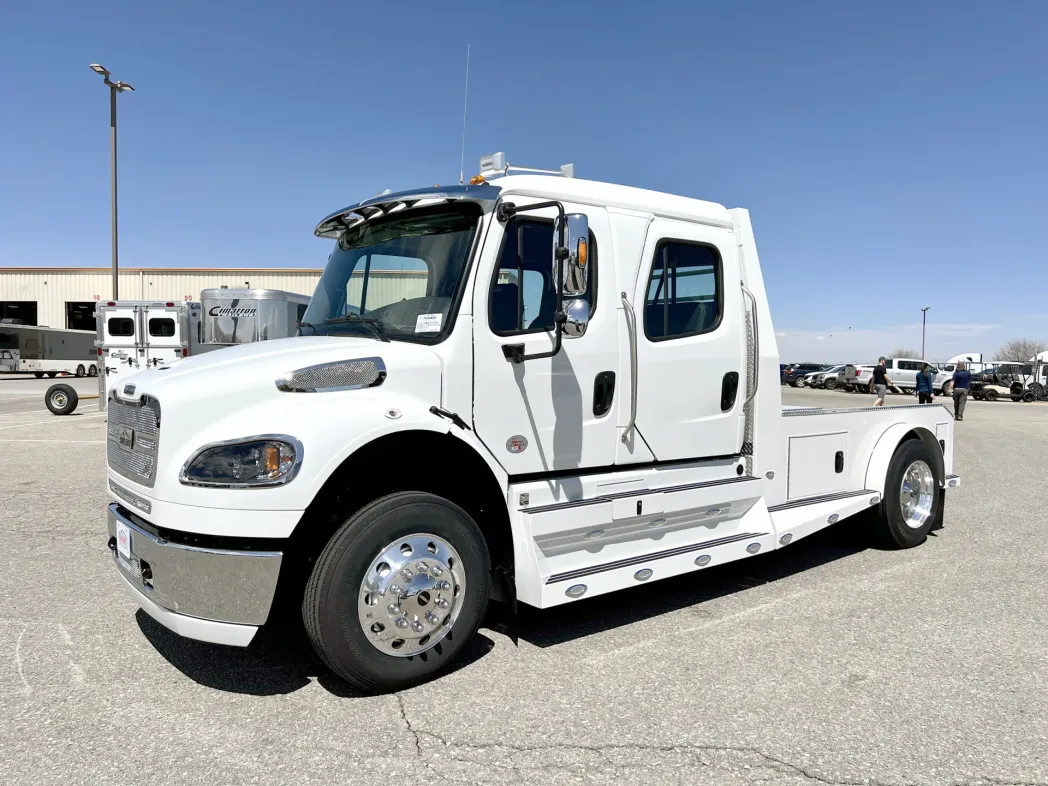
(937, 524)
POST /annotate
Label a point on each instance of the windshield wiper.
(355, 319)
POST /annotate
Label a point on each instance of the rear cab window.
(684, 296)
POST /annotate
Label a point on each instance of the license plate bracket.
(125, 437)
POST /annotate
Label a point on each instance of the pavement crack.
(408, 725)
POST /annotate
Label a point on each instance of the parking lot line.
(53, 419)
(61, 441)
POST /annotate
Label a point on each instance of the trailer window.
(121, 326)
(162, 327)
(684, 293)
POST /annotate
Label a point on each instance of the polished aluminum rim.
(917, 494)
(59, 399)
(411, 595)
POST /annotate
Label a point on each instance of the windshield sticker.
(428, 323)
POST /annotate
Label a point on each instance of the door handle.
(729, 389)
(603, 392)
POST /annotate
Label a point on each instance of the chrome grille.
(138, 463)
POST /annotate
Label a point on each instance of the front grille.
(143, 418)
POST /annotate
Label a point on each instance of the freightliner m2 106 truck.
(574, 392)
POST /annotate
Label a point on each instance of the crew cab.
(569, 389)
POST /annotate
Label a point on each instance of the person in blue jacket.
(925, 385)
(962, 380)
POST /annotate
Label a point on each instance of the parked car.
(827, 378)
(848, 377)
(795, 371)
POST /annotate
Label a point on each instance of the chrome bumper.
(213, 585)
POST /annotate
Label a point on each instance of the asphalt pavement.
(826, 662)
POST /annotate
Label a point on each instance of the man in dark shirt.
(962, 379)
(881, 381)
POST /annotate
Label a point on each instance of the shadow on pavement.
(281, 659)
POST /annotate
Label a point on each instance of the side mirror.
(576, 317)
(576, 243)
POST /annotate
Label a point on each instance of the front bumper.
(217, 595)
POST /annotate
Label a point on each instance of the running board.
(800, 503)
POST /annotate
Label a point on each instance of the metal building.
(65, 297)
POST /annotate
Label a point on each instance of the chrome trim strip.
(637, 493)
(137, 502)
(281, 481)
(800, 503)
(801, 411)
(623, 563)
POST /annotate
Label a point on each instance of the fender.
(888, 442)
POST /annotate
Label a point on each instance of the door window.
(161, 327)
(121, 326)
(909, 365)
(529, 308)
(684, 295)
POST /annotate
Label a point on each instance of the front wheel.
(831, 384)
(398, 591)
(947, 388)
(911, 498)
(1028, 396)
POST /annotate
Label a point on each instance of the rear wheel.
(61, 399)
(911, 498)
(92, 370)
(80, 370)
(398, 591)
(1028, 396)
(947, 387)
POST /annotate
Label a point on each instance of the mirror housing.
(570, 263)
(576, 317)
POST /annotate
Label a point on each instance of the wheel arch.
(434, 461)
(889, 442)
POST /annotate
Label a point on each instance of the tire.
(990, 395)
(905, 527)
(947, 387)
(1038, 390)
(334, 609)
(52, 374)
(831, 384)
(61, 399)
(80, 370)
(38, 374)
(1028, 396)
(92, 370)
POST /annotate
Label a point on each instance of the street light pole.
(924, 322)
(114, 88)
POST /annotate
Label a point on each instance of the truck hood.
(240, 369)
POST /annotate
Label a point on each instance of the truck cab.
(531, 389)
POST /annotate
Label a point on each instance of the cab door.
(691, 342)
(555, 413)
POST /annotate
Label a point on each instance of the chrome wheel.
(59, 399)
(411, 595)
(917, 494)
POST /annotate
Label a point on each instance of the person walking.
(881, 381)
(925, 385)
(962, 379)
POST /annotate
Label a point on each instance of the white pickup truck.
(580, 396)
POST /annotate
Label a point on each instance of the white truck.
(30, 349)
(402, 462)
(134, 335)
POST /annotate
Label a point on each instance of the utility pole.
(924, 322)
(114, 88)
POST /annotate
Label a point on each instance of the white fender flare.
(888, 443)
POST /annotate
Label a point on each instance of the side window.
(684, 295)
(121, 326)
(888, 364)
(162, 327)
(524, 294)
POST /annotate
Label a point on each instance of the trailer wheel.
(911, 500)
(38, 374)
(61, 399)
(1028, 396)
(80, 370)
(398, 591)
(92, 370)
(990, 395)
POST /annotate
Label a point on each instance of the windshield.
(398, 276)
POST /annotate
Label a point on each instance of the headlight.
(253, 462)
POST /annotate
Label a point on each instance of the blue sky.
(893, 155)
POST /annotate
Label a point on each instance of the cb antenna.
(465, 103)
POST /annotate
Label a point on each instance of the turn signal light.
(583, 252)
(476, 180)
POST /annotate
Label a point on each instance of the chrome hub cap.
(58, 399)
(916, 494)
(411, 595)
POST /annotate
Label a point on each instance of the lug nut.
(417, 626)
(402, 623)
(394, 608)
(421, 567)
(395, 589)
(432, 618)
(444, 585)
(436, 570)
(406, 574)
(442, 603)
